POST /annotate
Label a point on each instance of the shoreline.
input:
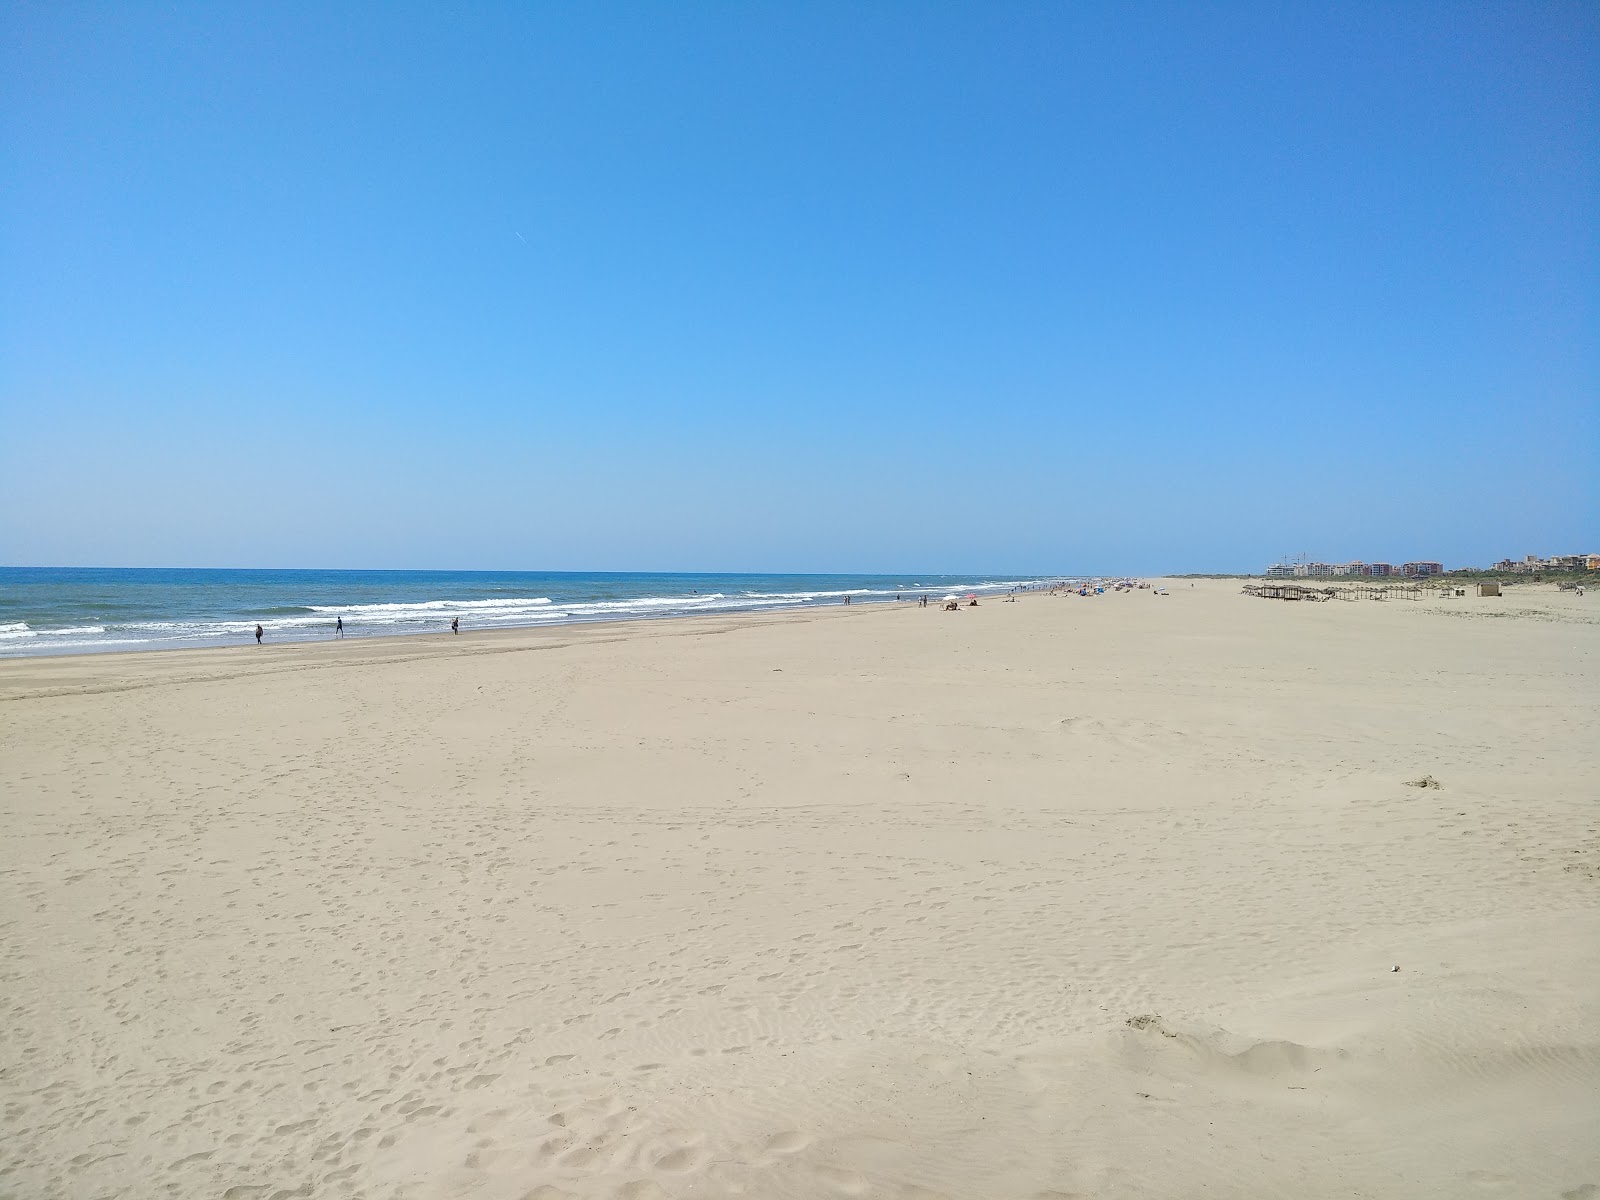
(24, 676)
(381, 649)
(53, 612)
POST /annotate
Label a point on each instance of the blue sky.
(919, 286)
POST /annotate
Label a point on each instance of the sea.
(86, 610)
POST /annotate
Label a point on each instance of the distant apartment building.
(1381, 570)
(1422, 570)
(1556, 562)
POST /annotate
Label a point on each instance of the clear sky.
(798, 286)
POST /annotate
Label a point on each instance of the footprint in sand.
(845, 1183)
(685, 1158)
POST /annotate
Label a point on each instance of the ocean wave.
(98, 643)
(421, 606)
(20, 629)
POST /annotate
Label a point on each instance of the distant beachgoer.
(338, 626)
(847, 597)
(455, 624)
(259, 632)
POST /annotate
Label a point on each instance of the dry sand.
(1058, 898)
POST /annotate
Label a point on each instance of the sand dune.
(1067, 897)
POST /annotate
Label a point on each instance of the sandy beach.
(1062, 898)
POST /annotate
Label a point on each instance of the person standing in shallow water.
(455, 624)
(259, 632)
(338, 627)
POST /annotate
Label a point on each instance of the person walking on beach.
(455, 624)
(259, 632)
(338, 626)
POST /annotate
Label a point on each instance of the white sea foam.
(99, 643)
(430, 606)
(20, 629)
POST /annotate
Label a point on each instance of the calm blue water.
(71, 610)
